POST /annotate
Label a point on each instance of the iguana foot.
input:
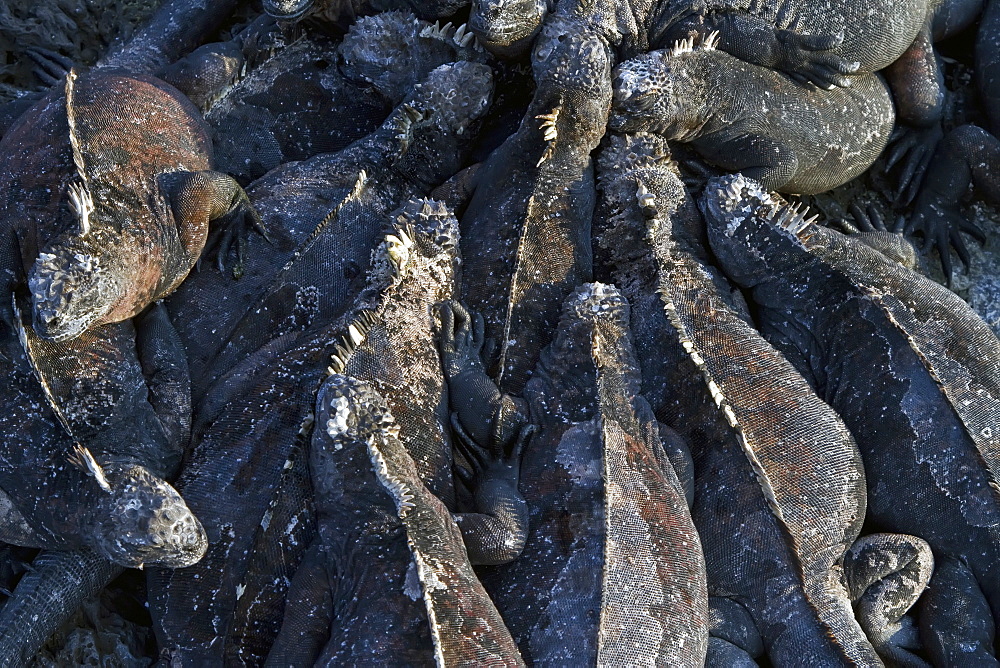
(51, 66)
(871, 229)
(886, 573)
(941, 223)
(497, 531)
(811, 59)
(912, 149)
(231, 233)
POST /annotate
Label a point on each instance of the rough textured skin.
(956, 626)
(886, 573)
(60, 581)
(748, 118)
(528, 221)
(926, 409)
(176, 28)
(284, 108)
(612, 571)
(145, 189)
(823, 42)
(325, 215)
(235, 479)
(333, 10)
(388, 556)
(757, 432)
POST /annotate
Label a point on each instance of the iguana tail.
(46, 597)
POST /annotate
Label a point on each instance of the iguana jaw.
(71, 290)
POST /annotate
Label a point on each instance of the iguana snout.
(287, 9)
(145, 521)
(70, 291)
(350, 410)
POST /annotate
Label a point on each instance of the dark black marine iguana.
(325, 216)
(912, 370)
(528, 220)
(123, 420)
(779, 487)
(234, 479)
(284, 108)
(388, 579)
(612, 571)
(748, 118)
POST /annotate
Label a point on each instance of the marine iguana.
(104, 215)
(748, 118)
(925, 409)
(528, 222)
(388, 338)
(388, 579)
(779, 487)
(283, 109)
(331, 11)
(325, 215)
(114, 510)
(612, 571)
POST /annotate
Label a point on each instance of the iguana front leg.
(967, 155)
(200, 198)
(811, 60)
(496, 532)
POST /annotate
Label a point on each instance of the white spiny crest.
(550, 132)
(404, 125)
(81, 458)
(689, 45)
(357, 331)
(79, 194)
(643, 195)
(791, 217)
(397, 489)
(460, 37)
(83, 204)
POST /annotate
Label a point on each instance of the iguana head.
(393, 51)
(754, 235)
(662, 91)
(348, 412)
(140, 518)
(570, 59)
(506, 27)
(72, 288)
(594, 322)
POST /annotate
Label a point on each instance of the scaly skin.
(152, 194)
(528, 221)
(378, 527)
(284, 108)
(324, 221)
(770, 458)
(388, 338)
(925, 408)
(751, 119)
(599, 486)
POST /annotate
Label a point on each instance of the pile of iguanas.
(378, 341)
